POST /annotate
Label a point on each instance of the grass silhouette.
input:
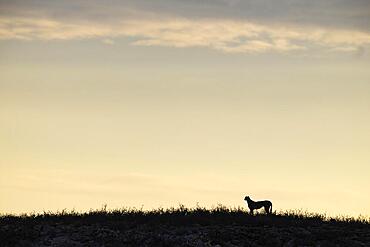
(182, 226)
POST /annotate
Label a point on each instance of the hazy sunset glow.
(156, 103)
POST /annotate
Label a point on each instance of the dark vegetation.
(219, 226)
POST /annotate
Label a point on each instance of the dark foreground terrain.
(219, 226)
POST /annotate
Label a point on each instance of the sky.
(155, 103)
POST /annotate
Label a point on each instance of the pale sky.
(156, 103)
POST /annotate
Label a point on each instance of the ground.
(182, 227)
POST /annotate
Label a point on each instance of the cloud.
(336, 14)
(229, 26)
(230, 36)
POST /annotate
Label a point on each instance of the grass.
(182, 215)
(182, 226)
